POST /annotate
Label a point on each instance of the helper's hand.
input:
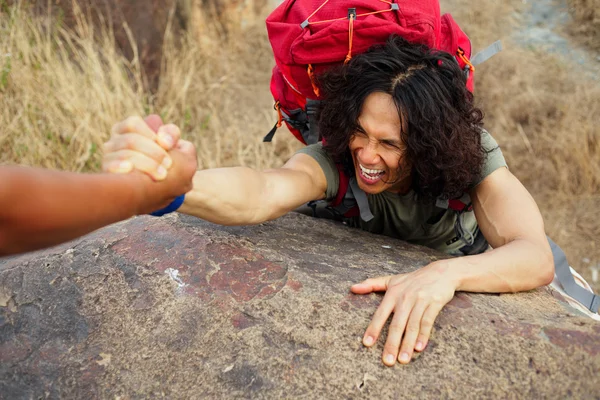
(141, 144)
(416, 299)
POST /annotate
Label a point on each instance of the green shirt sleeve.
(328, 166)
(494, 158)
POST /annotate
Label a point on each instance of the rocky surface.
(180, 308)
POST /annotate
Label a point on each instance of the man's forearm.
(227, 196)
(243, 196)
(516, 266)
(40, 208)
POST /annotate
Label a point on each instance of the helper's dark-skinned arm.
(40, 208)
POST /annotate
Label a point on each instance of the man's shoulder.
(327, 164)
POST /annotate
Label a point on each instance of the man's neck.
(402, 187)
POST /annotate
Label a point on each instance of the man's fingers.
(117, 166)
(133, 125)
(392, 343)
(154, 122)
(138, 160)
(427, 321)
(168, 136)
(140, 144)
(378, 321)
(378, 284)
(411, 332)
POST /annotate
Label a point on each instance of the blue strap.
(174, 206)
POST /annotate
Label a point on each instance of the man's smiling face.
(377, 149)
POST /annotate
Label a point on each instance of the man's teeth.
(371, 172)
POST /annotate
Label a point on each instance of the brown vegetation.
(586, 21)
(62, 89)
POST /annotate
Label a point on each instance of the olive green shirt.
(402, 216)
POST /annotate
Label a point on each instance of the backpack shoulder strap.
(459, 206)
(351, 200)
(343, 188)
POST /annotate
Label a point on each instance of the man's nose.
(370, 154)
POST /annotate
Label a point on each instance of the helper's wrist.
(171, 207)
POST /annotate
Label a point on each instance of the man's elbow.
(546, 275)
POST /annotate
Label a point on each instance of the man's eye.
(360, 133)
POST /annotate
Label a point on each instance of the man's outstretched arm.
(226, 196)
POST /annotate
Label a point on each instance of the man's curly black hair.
(441, 126)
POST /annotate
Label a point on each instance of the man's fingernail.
(125, 166)
(404, 358)
(390, 359)
(368, 341)
(419, 346)
(167, 162)
(161, 172)
(166, 139)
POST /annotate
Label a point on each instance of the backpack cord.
(350, 35)
(311, 74)
(316, 11)
(393, 7)
(461, 54)
(351, 17)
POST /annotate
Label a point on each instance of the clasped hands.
(148, 146)
(415, 299)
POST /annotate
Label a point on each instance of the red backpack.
(309, 36)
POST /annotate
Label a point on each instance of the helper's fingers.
(187, 151)
(186, 147)
(133, 125)
(113, 162)
(427, 321)
(140, 144)
(411, 332)
(168, 136)
(154, 122)
(379, 284)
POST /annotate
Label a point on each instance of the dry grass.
(586, 21)
(61, 91)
